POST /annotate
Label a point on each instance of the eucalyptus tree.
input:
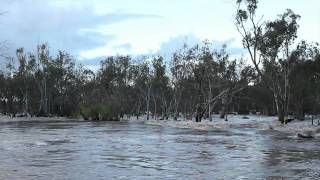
(209, 76)
(142, 80)
(305, 79)
(189, 71)
(9, 89)
(160, 89)
(42, 59)
(24, 79)
(123, 86)
(181, 82)
(268, 44)
(62, 80)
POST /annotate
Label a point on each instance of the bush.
(97, 112)
(76, 115)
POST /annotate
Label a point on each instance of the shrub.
(97, 112)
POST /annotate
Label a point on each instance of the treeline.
(197, 81)
(282, 78)
(42, 85)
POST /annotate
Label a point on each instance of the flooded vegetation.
(73, 149)
(224, 89)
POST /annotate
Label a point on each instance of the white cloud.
(90, 29)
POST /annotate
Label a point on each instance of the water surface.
(71, 149)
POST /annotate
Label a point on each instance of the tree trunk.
(155, 108)
(148, 109)
(224, 103)
(185, 112)
(281, 116)
(280, 109)
(199, 113)
(138, 110)
(148, 103)
(176, 109)
(209, 108)
(26, 103)
(43, 108)
(222, 112)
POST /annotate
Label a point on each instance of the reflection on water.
(89, 150)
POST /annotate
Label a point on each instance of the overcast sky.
(96, 28)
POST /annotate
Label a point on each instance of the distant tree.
(160, 86)
(42, 60)
(304, 79)
(142, 79)
(209, 76)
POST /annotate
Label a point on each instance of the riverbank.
(238, 121)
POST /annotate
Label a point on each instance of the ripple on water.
(85, 150)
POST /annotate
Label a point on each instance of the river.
(72, 149)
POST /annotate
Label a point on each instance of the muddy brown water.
(71, 149)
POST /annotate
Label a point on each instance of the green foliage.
(97, 112)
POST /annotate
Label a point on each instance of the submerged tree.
(269, 47)
(202, 80)
(210, 76)
(142, 79)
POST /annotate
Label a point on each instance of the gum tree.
(268, 44)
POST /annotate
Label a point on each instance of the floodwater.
(71, 149)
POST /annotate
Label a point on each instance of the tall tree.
(269, 43)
